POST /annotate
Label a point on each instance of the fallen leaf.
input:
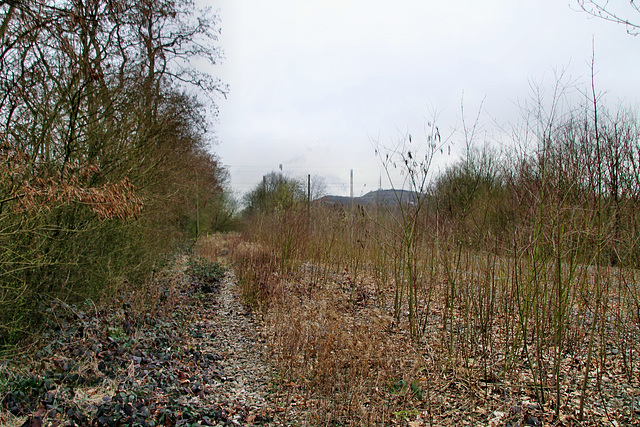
(33, 421)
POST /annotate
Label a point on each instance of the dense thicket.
(104, 157)
(578, 176)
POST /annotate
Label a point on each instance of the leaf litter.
(196, 357)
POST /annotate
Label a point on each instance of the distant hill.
(381, 197)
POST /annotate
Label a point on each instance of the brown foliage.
(32, 194)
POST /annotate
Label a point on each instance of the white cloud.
(313, 81)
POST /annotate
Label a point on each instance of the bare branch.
(603, 10)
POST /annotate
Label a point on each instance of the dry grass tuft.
(256, 269)
(342, 355)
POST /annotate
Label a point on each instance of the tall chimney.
(351, 187)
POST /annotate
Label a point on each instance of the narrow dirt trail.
(233, 336)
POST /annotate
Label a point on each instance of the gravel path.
(232, 335)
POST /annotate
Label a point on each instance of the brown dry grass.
(344, 360)
(338, 350)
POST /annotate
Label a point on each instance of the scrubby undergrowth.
(347, 360)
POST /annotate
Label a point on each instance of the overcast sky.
(314, 83)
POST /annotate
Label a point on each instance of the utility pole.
(378, 195)
(308, 200)
(197, 208)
